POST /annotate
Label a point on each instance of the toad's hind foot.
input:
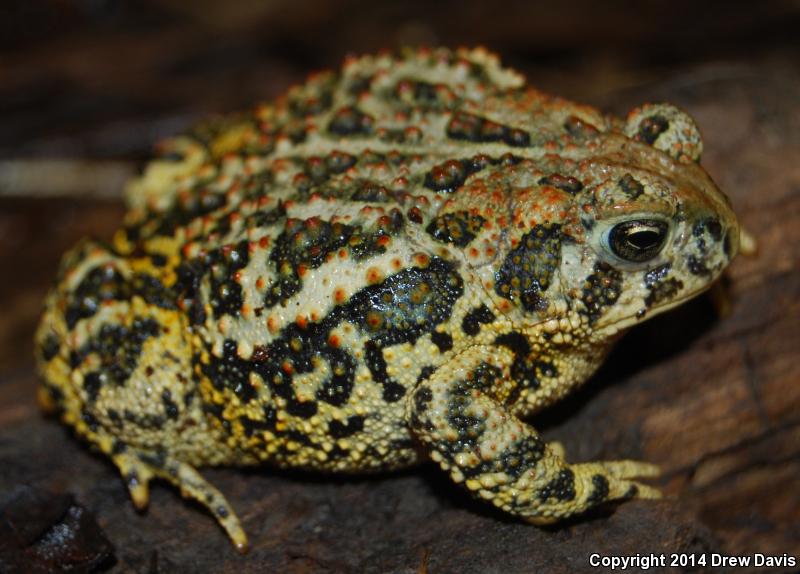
(139, 467)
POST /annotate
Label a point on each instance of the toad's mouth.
(602, 332)
(633, 320)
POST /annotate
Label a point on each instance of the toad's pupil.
(644, 238)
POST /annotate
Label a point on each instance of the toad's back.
(288, 279)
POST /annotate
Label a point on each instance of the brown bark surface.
(710, 391)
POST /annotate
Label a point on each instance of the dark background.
(103, 78)
(711, 391)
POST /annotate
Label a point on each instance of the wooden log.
(713, 399)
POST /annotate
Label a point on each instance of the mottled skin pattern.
(395, 262)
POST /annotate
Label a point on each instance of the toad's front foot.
(139, 467)
(595, 482)
(459, 414)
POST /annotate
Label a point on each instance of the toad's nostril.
(731, 243)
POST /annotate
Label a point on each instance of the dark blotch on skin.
(663, 291)
(407, 304)
(517, 343)
(651, 127)
(528, 269)
(414, 214)
(425, 373)
(115, 417)
(351, 121)
(302, 409)
(338, 429)
(222, 264)
(442, 340)
(105, 283)
(100, 284)
(469, 127)
(118, 348)
(458, 228)
(697, 266)
(306, 243)
(49, 347)
(600, 489)
(564, 183)
(562, 487)
(528, 369)
(482, 377)
(169, 405)
(653, 276)
(190, 275)
(199, 202)
(367, 243)
(662, 287)
(514, 460)
(424, 94)
(145, 421)
(578, 128)
(252, 426)
(372, 192)
(216, 411)
(90, 420)
(600, 290)
(299, 350)
(337, 388)
(393, 391)
(158, 260)
(732, 238)
(91, 384)
(376, 363)
(472, 321)
(231, 372)
(450, 175)
(359, 84)
(156, 459)
(468, 426)
(631, 186)
(339, 161)
(705, 229)
(422, 399)
(309, 242)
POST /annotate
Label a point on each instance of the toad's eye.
(637, 240)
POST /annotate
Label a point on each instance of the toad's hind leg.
(116, 358)
(139, 467)
(459, 415)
